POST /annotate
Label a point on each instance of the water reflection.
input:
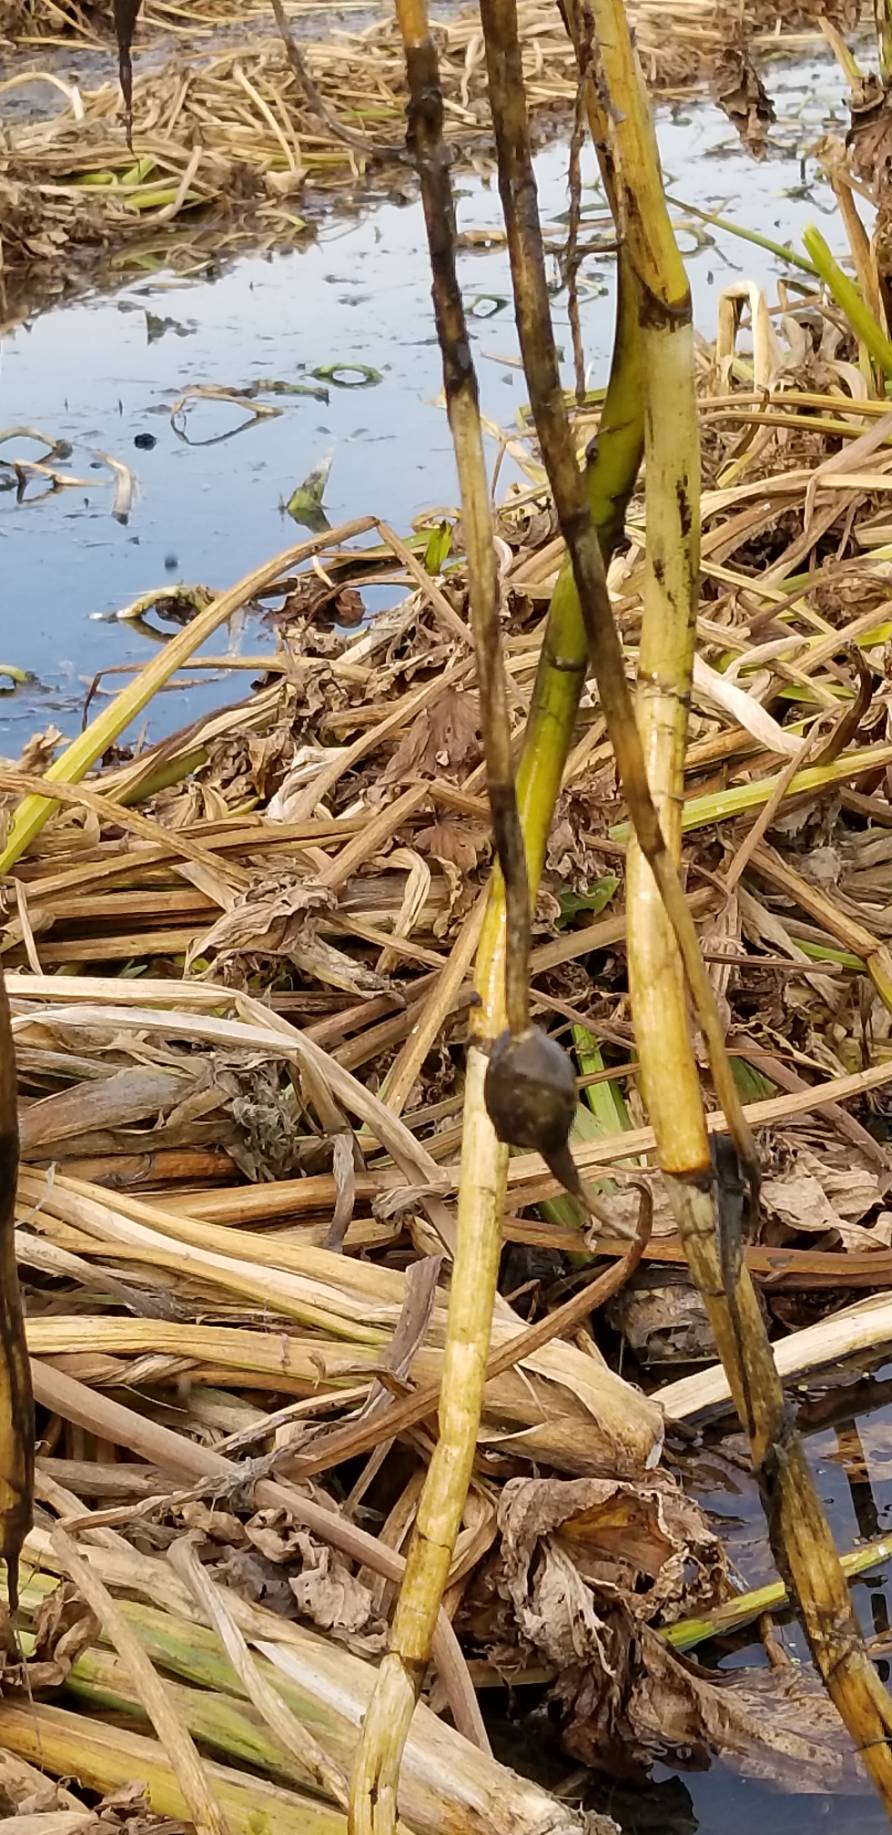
(104, 375)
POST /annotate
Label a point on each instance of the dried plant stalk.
(518, 191)
(707, 1213)
(191, 1774)
(73, 764)
(375, 1779)
(502, 954)
(425, 137)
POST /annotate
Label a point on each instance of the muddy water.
(103, 374)
(846, 1424)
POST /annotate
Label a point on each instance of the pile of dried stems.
(238, 964)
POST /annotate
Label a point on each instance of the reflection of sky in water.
(87, 373)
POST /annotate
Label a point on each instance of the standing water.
(103, 375)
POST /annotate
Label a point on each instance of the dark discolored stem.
(426, 142)
(517, 187)
(126, 13)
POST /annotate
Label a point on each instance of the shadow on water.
(103, 374)
(846, 1424)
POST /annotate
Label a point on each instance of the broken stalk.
(16, 1405)
(798, 1528)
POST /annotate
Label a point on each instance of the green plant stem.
(518, 192)
(610, 477)
(849, 301)
(687, 1633)
(754, 236)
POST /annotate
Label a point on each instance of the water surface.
(102, 374)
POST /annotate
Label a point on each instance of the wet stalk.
(519, 202)
(710, 1202)
(710, 1212)
(385, 1729)
(610, 475)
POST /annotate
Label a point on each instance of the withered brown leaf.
(457, 842)
(739, 91)
(869, 139)
(442, 738)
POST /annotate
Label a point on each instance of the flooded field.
(103, 375)
(336, 341)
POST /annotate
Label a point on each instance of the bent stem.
(373, 1792)
(610, 476)
(425, 139)
(519, 203)
(801, 1541)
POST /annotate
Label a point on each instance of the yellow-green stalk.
(74, 763)
(375, 1778)
(801, 1540)
(610, 478)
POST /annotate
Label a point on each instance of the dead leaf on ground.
(335, 1600)
(817, 1195)
(455, 842)
(441, 738)
(869, 139)
(773, 1726)
(325, 1590)
(280, 920)
(663, 1320)
(589, 1567)
(643, 1538)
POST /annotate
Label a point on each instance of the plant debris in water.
(262, 912)
(237, 964)
(228, 143)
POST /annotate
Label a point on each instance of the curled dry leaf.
(273, 1533)
(739, 91)
(588, 1567)
(869, 139)
(640, 1538)
(663, 1320)
(64, 1626)
(816, 1195)
(39, 751)
(776, 1726)
(335, 1600)
(270, 920)
(325, 1590)
(280, 920)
